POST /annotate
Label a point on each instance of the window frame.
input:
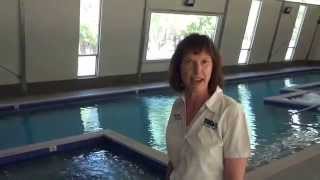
(300, 3)
(253, 36)
(97, 55)
(169, 11)
(298, 35)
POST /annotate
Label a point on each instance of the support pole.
(223, 23)
(22, 48)
(142, 42)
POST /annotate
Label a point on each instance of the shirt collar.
(211, 103)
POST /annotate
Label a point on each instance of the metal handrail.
(11, 72)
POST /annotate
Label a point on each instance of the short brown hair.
(195, 43)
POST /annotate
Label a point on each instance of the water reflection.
(295, 119)
(90, 118)
(158, 111)
(288, 82)
(89, 163)
(246, 100)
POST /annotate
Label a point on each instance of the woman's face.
(196, 71)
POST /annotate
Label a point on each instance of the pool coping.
(303, 87)
(17, 104)
(283, 100)
(27, 152)
(252, 75)
(277, 166)
(82, 95)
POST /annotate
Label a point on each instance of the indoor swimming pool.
(275, 131)
(88, 162)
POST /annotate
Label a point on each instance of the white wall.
(283, 37)
(270, 12)
(121, 34)
(9, 46)
(315, 52)
(52, 32)
(234, 30)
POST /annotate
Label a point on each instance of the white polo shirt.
(218, 131)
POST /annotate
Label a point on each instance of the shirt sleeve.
(236, 143)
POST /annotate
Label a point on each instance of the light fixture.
(287, 10)
(189, 2)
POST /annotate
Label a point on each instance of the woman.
(207, 135)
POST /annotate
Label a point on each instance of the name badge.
(210, 123)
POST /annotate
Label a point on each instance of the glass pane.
(243, 56)
(297, 26)
(89, 26)
(167, 29)
(251, 24)
(87, 65)
(292, 42)
(316, 2)
(296, 30)
(289, 54)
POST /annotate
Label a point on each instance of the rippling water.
(85, 164)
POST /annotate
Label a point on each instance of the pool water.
(82, 164)
(275, 131)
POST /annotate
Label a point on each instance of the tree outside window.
(167, 29)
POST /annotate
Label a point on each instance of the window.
(250, 32)
(89, 37)
(296, 33)
(167, 29)
(315, 2)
